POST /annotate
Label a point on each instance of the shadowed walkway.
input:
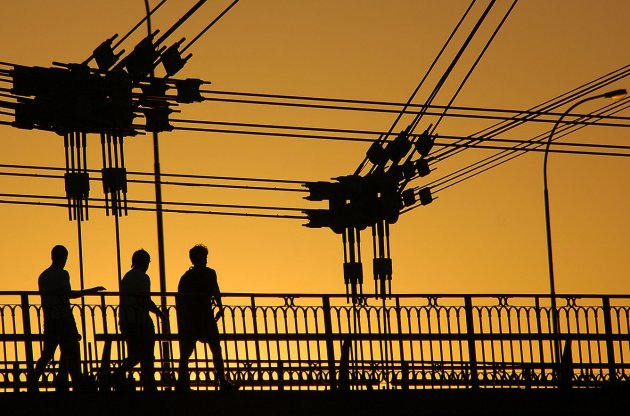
(426, 402)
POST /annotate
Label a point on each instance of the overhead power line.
(439, 110)
(551, 104)
(369, 106)
(168, 175)
(423, 79)
(167, 203)
(472, 68)
(24, 200)
(468, 142)
(535, 142)
(196, 38)
(174, 175)
(507, 155)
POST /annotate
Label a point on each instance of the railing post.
(541, 346)
(330, 348)
(167, 373)
(280, 371)
(404, 375)
(472, 350)
(16, 376)
(28, 344)
(256, 338)
(104, 365)
(404, 368)
(610, 348)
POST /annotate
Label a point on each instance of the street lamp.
(615, 95)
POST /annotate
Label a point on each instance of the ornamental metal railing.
(317, 342)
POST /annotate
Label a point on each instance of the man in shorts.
(60, 328)
(197, 291)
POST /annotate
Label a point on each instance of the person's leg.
(51, 341)
(62, 378)
(134, 352)
(71, 360)
(147, 358)
(186, 347)
(71, 352)
(130, 361)
(217, 357)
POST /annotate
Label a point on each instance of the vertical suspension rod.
(103, 179)
(85, 170)
(65, 145)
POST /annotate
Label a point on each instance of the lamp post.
(616, 95)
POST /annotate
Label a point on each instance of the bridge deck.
(305, 403)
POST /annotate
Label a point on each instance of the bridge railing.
(300, 341)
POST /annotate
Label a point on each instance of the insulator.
(425, 196)
(104, 54)
(188, 90)
(77, 185)
(422, 166)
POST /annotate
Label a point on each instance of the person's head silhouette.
(59, 256)
(199, 255)
(140, 260)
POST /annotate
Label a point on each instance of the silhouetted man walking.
(60, 329)
(197, 291)
(135, 322)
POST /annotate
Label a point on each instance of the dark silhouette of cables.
(507, 155)
(468, 141)
(551, 104)
(196, 38)
(413, 94)
(167, 203)
(534, 142)
(180, 22)
(48, 198)
(503, 127)
(131, 31)
(173, 175)
(412, 108)
(472, 68)
(172, 183)
(454, 62)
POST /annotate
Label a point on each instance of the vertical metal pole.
(382, 254)
(386, 341)
(552, 288)
(158, 193)
(472, 350)
(28, 345)
(159, 218)
(115, 203)
(84, 170)
(404, 368)
(82, 285)
(541, 348)
(330, 348)
(160, 226)
(610, 348)
(256, 337)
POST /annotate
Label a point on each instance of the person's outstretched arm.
(91, 291)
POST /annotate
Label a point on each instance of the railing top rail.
(367, 296)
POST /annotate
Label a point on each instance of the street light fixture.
(615, 95)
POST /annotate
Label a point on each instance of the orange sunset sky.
(484, 235)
